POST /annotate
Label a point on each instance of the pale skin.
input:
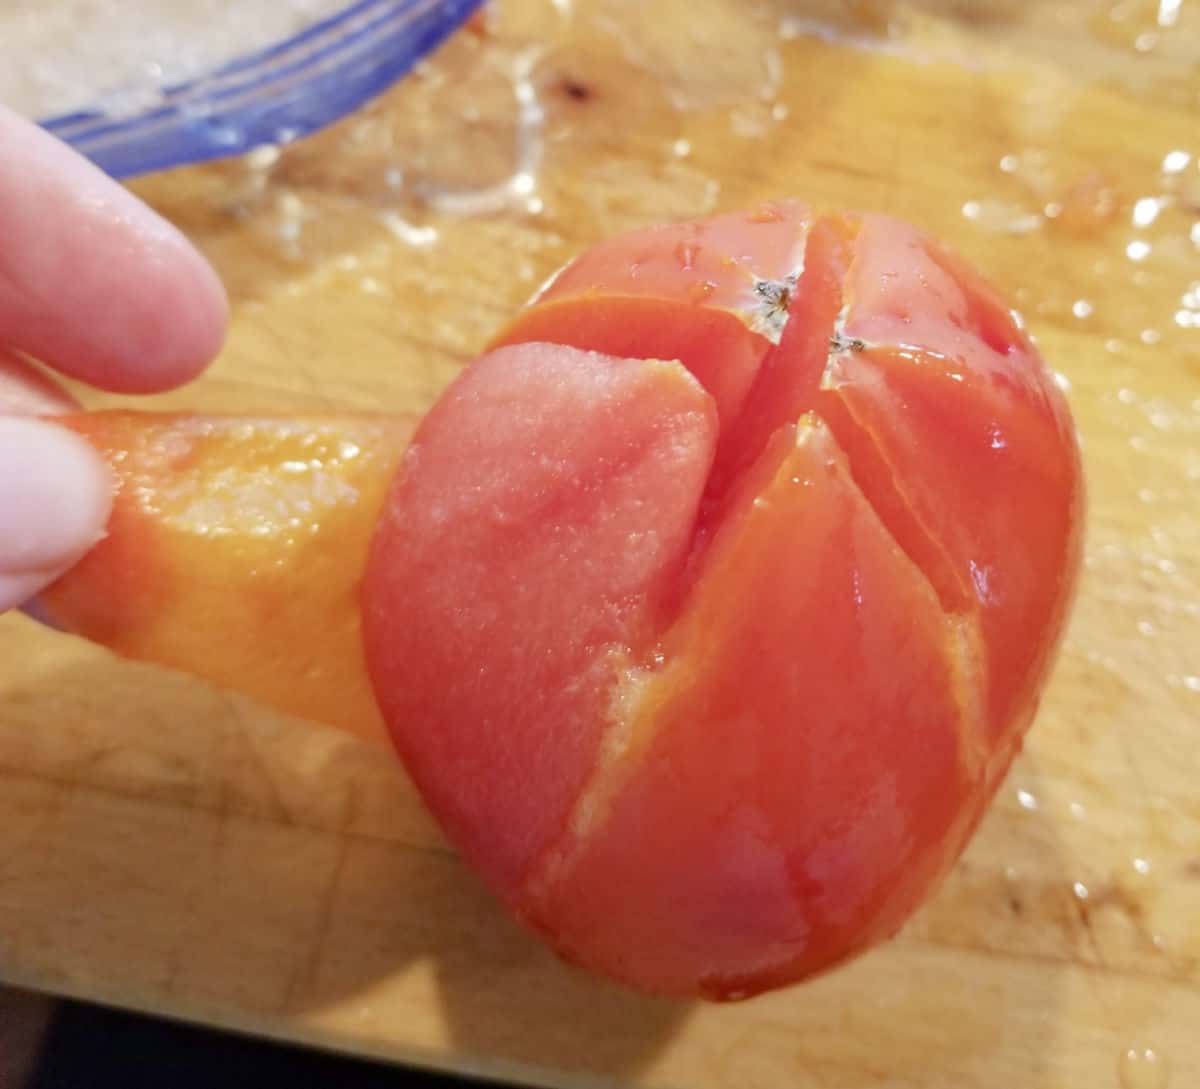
(95, 286)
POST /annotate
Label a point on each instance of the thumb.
(55, 497)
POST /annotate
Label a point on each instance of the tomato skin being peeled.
(709, 610)
(235, 550)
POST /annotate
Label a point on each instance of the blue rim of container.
(272, 96)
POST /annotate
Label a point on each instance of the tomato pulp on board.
(709, 610)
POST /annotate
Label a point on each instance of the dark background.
(86, 1047)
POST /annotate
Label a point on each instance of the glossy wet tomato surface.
(709, 610)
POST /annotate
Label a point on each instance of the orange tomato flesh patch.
(235, 551)
(733, 759)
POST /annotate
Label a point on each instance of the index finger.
(92, 282)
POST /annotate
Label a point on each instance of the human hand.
(96, 286)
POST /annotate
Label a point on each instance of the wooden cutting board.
(171, 847)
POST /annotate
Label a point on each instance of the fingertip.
(93, 281)
(56, 495)
(180, 328)
(211, 319)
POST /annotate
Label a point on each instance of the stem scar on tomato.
(775, 299)
(839, 342)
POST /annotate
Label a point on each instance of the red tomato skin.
(787, 726)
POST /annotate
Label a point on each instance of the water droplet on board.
(1001, 217)
(1146, 210)
(1138, 250)
(1175, 162)
(1142, 1068)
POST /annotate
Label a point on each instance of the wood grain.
(167, 846)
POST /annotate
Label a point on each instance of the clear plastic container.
(270, 96)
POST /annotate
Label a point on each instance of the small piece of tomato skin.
(785, 386)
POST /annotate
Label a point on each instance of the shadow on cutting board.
(175, 849)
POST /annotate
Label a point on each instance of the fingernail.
(55, 497)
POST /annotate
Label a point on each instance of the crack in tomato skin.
(880, 479)
(941, 321)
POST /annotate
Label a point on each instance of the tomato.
(710, 609)
(707, 610)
